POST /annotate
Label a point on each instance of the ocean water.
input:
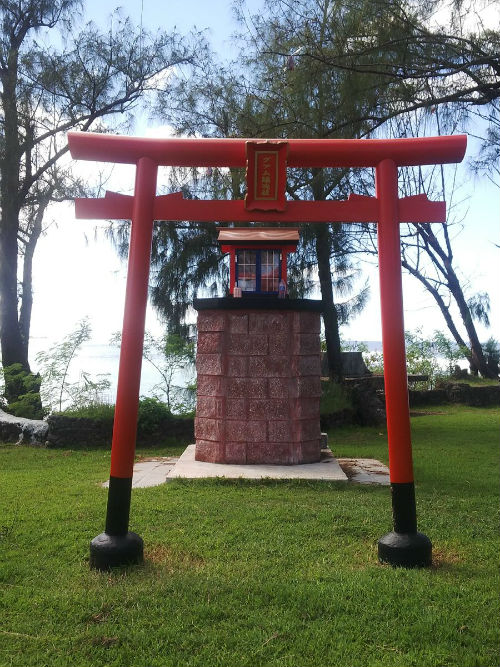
(103, 360)
(97, 359)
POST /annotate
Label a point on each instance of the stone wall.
(258, 386)
(71, 432)
(474, 395)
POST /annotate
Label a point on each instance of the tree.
(270, 96)
(389, 49)
(47, 90)
(56, 389)
(419, 55)
(427, 249)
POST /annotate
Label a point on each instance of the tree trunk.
(477, 356)
(330, 318)
(27, 282)
(10, 336)
(12, 348)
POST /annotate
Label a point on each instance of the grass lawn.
(256, 573)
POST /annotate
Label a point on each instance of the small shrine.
(258, 358)
(258, 259)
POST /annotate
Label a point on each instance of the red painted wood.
(266, 175)
(129, 374)
(357, 208)
(232, 268)
(301, 152)
(393, 341)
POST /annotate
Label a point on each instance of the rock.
(22, 430)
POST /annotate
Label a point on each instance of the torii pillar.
(404, 546)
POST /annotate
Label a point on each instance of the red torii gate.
(404, 545)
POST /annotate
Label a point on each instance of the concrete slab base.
(151, 472)
(156, 471)
(326, 469)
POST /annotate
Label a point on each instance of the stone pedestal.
(258, 367)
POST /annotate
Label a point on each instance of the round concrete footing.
(405, 550)
(107, 551)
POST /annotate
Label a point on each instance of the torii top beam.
(301, 152)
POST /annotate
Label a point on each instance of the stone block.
(308, 365)
(245, 430)
(279, 387)
(211, 320)
(306, 322)
(236, 366)
(272, 453)
(242, 387)
(210, 385)
(305, 429)
(268, 367)
(268, 408)
(305, 387)
(280, 431)
(305, 408)
(210, 342)
(310, 452)
(268, 322)
(279, 345)
(210, 452)
(306, 343)
(236, 408)
(250, 344)
(236, 453)
(209, 364)
(238, 323)
(208, 429)
(210, 406)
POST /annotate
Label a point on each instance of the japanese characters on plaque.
(266, 175)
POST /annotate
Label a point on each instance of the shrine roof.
(265, 234)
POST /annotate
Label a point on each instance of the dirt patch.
(365, 471)
(107, 642)
(443, 559)
(160, 459)
(349, 468)
(159, 554)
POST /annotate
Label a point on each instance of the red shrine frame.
(385, 209)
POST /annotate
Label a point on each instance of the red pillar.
(393, 340)
(136, 297)
(404, 546)
(118, 546)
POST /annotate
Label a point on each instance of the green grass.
(256, 573)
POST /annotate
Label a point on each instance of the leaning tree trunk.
(476, 350)
(35, 232)
(475, 355)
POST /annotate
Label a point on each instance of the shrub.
(92, 425)
(26, 386)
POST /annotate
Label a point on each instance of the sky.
(75, 265)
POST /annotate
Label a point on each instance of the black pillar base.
(107, 551)
(405, 550)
